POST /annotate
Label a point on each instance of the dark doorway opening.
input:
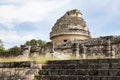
(65, 40)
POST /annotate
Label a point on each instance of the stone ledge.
(17, 64)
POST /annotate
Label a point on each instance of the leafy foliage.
(2, 49)
(15, 48)
(34, 41)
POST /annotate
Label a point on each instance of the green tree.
(41, 42)
(2, 49)
(15, 48)
(34, 41)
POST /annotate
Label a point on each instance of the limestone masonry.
(69, 27)
(87, 69)
(70, 36)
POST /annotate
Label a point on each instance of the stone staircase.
(89, 69)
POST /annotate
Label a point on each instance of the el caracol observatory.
(71, 26)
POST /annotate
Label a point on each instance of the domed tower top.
(74, 13)
(69, 27)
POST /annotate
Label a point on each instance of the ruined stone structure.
(71, 36)
(70, 27)
(88, 69)
(18, 70)
(108, 46)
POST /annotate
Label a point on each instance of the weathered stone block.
(84, 78)
(81, 62)
(62, 72)
(103, 72)
(82, 72)
(71, 77)
(45, 78)
(71, 72)
(81, 78)
(63, 62)
(115, 60)
(71, 66)
(38, 77)
(55, 66)
(43, 72)
(54, 77)
(115, 65)
(96, 78)
(16, 64)
(104, 66)
(72, 61)
(7, 64)
(93, 72)
(6, 74)
(82, 66)
(103, 61)
(113, 78)
(92, 61)
(103, 78)
(93, 66)
(68, 66)
(88, 77)
(54, 72)
(46, 67)
(64, 77)
(1, 65)
(113, 72)
(67, 72)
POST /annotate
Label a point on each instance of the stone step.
(73, 61)
(85, 61)
(57, 77)
(91, 72)
(16, 64)
(89, 69)
(83, 66)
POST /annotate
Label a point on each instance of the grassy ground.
(38, 59)
(43, 59)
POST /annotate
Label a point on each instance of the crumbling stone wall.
(69, 27)
(18, 70)
(88, 69)
(23, 52)
(108, 46)
(10, 54)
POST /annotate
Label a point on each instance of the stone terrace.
(89, 69)
(18, 70)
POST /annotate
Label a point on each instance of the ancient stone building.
(70, 36)
(73, 36)
(69, 27)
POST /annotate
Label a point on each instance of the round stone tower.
(70, 27)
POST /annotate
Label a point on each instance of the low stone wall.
(90, 69)
(18, 70)
(10, 54)
(108, 46)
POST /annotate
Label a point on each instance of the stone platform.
(90, 69)
(18, 70)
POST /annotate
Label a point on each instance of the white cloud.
(98, 14)
(28, 10)
(11, 37)
(14, 12)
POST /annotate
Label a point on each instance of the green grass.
(42, 59)
(38, 59)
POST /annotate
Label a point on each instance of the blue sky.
(22, 20)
